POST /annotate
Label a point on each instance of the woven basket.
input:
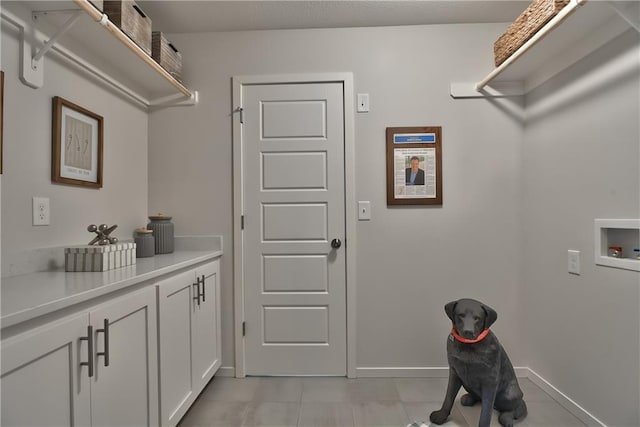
(525, 26)
(127, 15)
(165, 54)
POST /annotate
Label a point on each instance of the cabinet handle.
(197, 291)
(203, 287)
(137, 8)
(104, 353)
(89, 339)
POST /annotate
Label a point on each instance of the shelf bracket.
(32, 67)
(626, 15)
(495, 90)
(75, 15)
(177, 100)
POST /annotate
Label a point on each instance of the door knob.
(336, 243)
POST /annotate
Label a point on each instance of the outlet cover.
(40, 211)
(573, 258)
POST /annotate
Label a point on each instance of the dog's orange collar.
(482, 336)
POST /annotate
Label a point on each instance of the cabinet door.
(206, 326)
(43, 383)
(175, 305)
(125, 393)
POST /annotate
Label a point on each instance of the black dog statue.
(478, 363)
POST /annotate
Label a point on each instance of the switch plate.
(364, 210)
(573, 258)
(40, 210)
(363, 103)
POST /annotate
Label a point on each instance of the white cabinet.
(189, 331)
(97, 367)
(124, 391)
(43, 381)
(206, 326)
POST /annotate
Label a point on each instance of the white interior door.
(294, 207)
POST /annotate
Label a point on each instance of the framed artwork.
(414, 165)
(77, 145)
(1, 116)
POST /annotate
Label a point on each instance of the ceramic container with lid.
(162, 232)
(145, 242)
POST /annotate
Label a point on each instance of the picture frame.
(414, 165)
(1, 119)
(77, 145)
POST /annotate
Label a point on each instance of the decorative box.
(99, 258)
(525, 26)
(128, 16)
(166, 54)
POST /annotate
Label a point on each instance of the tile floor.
(363, 402)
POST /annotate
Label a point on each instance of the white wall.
(514, 200)
(411, 260)
(27, 162)
(581, 162)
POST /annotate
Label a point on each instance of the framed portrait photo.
(414, 165)
(77, 145)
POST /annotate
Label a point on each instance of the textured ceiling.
(185, 16)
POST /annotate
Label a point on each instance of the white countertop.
(31, 295)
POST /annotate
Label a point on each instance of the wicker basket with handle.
(128, 16)
(166, 54)
(525, 26)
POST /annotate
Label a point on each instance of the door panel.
(291, 325)
(294, 119)
(175, 302)
(300, 221)
(295, 273)
(43, 381)
(206, 327)
(293, 192)
(129, 382)
(294, 170)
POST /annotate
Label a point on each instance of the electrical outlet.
(573, 261)
(40, 210)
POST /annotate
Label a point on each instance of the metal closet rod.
(73, 58)
(103, 20)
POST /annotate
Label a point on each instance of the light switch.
(363, 103)
(574, 261)
(364, 210)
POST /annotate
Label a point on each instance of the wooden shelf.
(105, 51)
(579, 29)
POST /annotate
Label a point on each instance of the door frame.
(238, 82)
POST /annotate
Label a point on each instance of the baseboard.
(226, 371)
(402, 372)
(564, 400)
(521, 372)
(416, 372)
